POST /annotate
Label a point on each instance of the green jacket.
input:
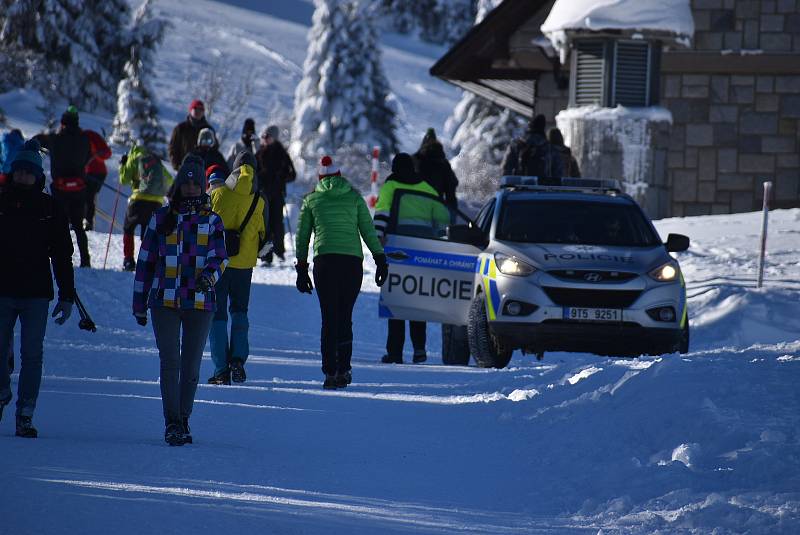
(129, 175)
(418, 211)
(339, 218)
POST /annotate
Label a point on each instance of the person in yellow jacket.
(233, 202)
(428, 219)
(149, 181)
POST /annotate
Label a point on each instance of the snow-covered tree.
(436, 21)
(136, 120)
(481, 131)
(343, 98)
(69, 47)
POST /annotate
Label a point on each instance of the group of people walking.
(198, 249)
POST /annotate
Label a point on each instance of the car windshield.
(566, 221)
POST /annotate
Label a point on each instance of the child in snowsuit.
(181, 259)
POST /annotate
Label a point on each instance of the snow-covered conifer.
(343, 98)
(436, 21)
(136, 120)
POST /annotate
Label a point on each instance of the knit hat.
(403, 165)
(430, 136)
(191, 171)
(206, 138)
(197, 103)
(249, 126)
(244, 158)
(538, 124)
(326, 168)
(272, 131)
(29, 158)
(70, 116)
(215, 174)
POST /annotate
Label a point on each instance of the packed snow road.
(575, 443)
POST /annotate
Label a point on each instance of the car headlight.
(511, 265)
(666, 273)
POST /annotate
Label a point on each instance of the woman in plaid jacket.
(181, 258)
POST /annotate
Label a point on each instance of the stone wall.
(732, 132)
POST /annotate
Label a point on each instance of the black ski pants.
(397, 337)
(74, 206)
(94, 183)
(275, 228)
(338, 281)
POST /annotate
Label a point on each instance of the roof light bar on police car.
(586, 184)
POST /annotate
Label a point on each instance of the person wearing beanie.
(70, 152)
(433, 167)
(568, 161)
(208, 149)
(275, 170)
(533, 155)
(404, 177)
(214, 178)
(184, 136)
(149, 180)
(241, 207)
(339, 218)
(37, 232)
(181, 259)
(247, 142)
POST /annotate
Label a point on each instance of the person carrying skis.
(181, 259)
(240, 207)
(96, 173)
(433, 167)
(339, 218)
(149, 181)
(184, 135)
(70, 151)
(37, 232)
(275, 170)
(533, 155)
(208, 149)
(403, 177)
(248, 142)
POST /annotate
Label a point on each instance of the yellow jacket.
(231, 202)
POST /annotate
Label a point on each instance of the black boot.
(129, 264)
(344, 379)
(222, 378)
(173, 434)
(25, 428)
(187, 433)
(420, 356)
(388, 359)
(237, 371)
(330, 382)
(3, 406)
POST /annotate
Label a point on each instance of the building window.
(615, 72)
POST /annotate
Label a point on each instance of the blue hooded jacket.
(10, 143)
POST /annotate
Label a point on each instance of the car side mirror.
(466, 234)
(677, 243)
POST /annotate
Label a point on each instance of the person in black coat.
(70, 151)
(36, 237)
(208, 149)
(184, 135)
(432, 166)
(569, 163)
(274, 170)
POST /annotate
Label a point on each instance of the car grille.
(571, 297)
(594, 276)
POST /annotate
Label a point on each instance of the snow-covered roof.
(669, 16)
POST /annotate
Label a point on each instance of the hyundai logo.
(592, 277)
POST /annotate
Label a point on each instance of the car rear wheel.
(455, 345)
(484, 346)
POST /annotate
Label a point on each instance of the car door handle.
(398, 255)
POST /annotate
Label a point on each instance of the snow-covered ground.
(700, 443)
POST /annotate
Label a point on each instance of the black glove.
(382, 269)
(124, 159)
(204, 283)
(303, 280)
(141, 319)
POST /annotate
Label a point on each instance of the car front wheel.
(484, 346)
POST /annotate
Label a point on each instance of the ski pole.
(86, 322)
(111, 225)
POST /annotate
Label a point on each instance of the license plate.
(592, 314)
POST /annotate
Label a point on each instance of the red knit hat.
(196, 103)
(326, 168)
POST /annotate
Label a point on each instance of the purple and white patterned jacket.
(169, 267)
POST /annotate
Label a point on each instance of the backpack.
(535, 159)
(151, 176)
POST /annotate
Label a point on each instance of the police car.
(573, 265)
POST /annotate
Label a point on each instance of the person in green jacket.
(427, 219)
(340, 219)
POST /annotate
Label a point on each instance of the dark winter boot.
(129, 264)
(86, 262)
(25, 428)
(173, 434)
(330, 382)
(222, 378)
(237, 371)
(388, 359)
(344, 379)
(3, 406)
(187, 433)
(420, 356)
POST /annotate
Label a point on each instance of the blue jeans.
(234, 285)
(32, 314)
